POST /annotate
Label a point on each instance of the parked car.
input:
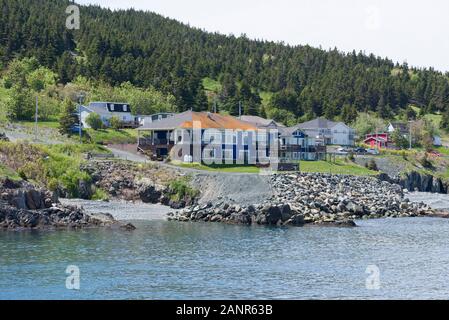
(360, 150)
(75, 129)
(342, 151)
(373, 151)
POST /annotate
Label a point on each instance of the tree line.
(147, 50)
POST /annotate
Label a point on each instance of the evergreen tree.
(68, 117)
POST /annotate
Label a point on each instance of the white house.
(154, 117)
(107, 110)
(336, 133)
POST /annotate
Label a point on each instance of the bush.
(351, 157)
(180, 189)
(372, 165)
(100, 195)
(94, 121)
(115, 123)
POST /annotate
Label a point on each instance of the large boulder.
(274, 214)
(150, 193)
(85, 190)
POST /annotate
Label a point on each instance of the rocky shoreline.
(131, 182)
(25, 207)
(313, 199)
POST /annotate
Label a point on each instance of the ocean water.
(173, 260)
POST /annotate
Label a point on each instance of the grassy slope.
(110, 136)
(339, 167)
(107, 136)
(49, 166)
(6, 172)
(218, 168)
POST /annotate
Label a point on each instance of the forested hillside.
(151, 51)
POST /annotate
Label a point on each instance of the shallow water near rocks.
(172, 260)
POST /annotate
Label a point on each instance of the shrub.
(94, 121)
(115, 123)
(180, 189)
(100, 194)
(372, 165)
(351, 157)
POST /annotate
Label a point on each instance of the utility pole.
(410, 133)
(36, 118)
(240, 109)
(80, 102)
(215, 104)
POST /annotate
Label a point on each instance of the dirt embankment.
(232, 188)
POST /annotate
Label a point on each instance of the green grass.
(100, 195)
(40, 124)
(55, 167)
(180, 189)
(442, 150)
(339, 167)
(110, 136)
(219, 168)
(212, 85)
(6, 172)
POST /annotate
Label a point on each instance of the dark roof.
(98, 110)
(319, 123)
(208, 121)
(260, 122)
(285, 132)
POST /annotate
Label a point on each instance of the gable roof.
(261, 122)
(401, 126)
(96, 109)
(207, 120)
(286, 132)
(320, 123)
(378, 139)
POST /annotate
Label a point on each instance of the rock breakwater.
(313, 199)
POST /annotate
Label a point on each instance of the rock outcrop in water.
(131, 182)
(313, 199)
(23, 206)
(415, 181)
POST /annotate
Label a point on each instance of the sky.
(412, 31)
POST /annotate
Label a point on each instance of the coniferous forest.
(271, 79)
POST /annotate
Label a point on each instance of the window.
(125, 108)
(112, 107)
(228, 154)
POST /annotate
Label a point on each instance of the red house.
(378, 140)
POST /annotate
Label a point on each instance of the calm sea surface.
(172, 260)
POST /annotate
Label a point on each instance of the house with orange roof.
(188, 136)
(216, 138)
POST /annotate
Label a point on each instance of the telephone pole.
(36, 118)
(410, 133)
